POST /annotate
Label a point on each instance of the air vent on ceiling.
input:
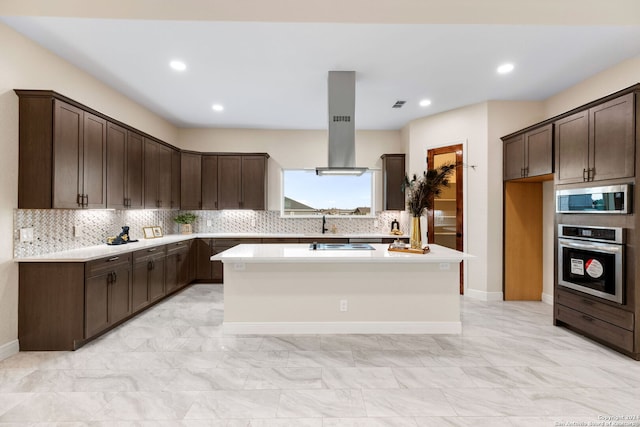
(399, 104)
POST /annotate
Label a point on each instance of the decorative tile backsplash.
(55, 229)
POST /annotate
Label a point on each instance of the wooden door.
(446, 228)
(120, 305)
(572, 148)
(514, 157)
(171, 273)
(191, 182)
(538, 152)
(67, 156)
(612, 139)
(139, 291)
(97, 303)
(150, 174)
(95, 161)
(156, 278)
(164, 162)
(209, 185)
(253, 182)
(203, 257)
(394, 171)
(175, 179)
(135, 171)
(116, 166)
(229, 182)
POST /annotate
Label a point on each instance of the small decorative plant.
(185, 220)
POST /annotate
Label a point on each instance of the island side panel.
(420, 294)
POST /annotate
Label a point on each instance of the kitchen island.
(292, 289)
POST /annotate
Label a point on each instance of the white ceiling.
(273, 75)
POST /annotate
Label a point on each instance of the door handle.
(585, 176)
(115, 258)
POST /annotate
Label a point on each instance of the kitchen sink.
(341, 247)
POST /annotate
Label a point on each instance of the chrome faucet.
(324, 225)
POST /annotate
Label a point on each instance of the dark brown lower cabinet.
(148, 276)
(107, 293)
(177, 266)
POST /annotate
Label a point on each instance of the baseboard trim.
(288, 328)
(547, 298)
(9, 349)
(484, 296)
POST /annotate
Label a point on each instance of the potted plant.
(185, 220)
(421, 192)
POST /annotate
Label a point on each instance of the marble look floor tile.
(349, 342)
(146, 405)
(254, 359)
(321, 403)
(370, 422)
(195, 360)
(55, 407)
(492, 402)
(276, 422)
(390, 358)
(466, 422)
(553, 421)
(432, 377)
(453, 358)
(407, 342)
(235, 404)
(321, 359)
(94, 380)
(357, 378)
(32, 359)
(587, 358)
(291, 343)
(9, 378)
(584, 401)
(199, 379)
(405, 402)
(10, 400)
(283, 378)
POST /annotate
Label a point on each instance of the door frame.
(461, 219)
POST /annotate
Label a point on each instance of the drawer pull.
(587, 318)
(152, 250)
(115, 258)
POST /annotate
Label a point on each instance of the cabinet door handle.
(115, 258)
(115, 277)
(85, 200)
(79, 199)
(152, 250)
(150, 265)
(526, 171)
(591, 173)
(585, 175)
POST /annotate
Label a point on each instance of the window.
(306, 194)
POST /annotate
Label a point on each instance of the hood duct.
(342, 142)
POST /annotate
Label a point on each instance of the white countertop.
(301, 253)
(99, 251)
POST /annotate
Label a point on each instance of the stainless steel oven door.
(592, 267)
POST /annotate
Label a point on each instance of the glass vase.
(416, 233)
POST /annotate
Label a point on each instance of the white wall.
(548, 242)
(24, 65)
(292, 149)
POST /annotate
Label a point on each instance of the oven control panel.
(603, 234)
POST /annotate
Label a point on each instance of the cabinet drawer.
(607, 332)
(229, 243)
(148, 254)
(99, 266)
(281, 240)
(591, 307)
(178, 247)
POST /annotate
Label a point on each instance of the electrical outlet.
(445, 266)
(26, 235)
(77, 231)
(239, 266)
(344, 305)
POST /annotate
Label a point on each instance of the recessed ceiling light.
(425, 102)
(178, 65)
(217, 107)
(505, 68)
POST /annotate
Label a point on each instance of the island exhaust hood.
(342, 143)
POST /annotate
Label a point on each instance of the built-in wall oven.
(591, 260)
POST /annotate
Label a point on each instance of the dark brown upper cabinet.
(242, 181)
(191, 181)
(393, 173)
(176, 176)
(209, 184)
(62, 162)
(529, 154)
(124, 168)
(597, 144)
(157, 175)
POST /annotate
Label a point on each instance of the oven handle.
(596, 247)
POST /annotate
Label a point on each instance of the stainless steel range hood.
(342, 143)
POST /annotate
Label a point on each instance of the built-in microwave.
(612, 199)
